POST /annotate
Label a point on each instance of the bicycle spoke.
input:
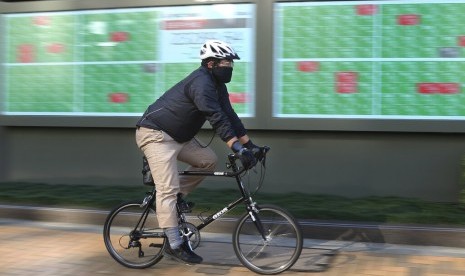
(252, 251)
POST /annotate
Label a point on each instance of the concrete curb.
(424, 235)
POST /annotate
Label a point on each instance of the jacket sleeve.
(232, 115)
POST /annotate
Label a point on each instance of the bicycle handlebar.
(259, 154)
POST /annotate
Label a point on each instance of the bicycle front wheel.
(132, 235)
(277, 249)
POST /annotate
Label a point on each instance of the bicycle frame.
(236, 172)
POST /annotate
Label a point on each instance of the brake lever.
(262, 155)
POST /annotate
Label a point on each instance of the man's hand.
(246, 156)
(251, 146)
(256, 150)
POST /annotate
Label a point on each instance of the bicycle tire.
(133, 252)
(282, 248)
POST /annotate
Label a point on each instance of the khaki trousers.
(162, 153)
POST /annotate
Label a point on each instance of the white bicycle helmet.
(217, 49)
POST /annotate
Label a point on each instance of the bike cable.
(260, 180)
(202, 146)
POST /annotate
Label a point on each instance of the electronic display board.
(369, 59)
(117, 61)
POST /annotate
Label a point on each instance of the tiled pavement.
(46, 248)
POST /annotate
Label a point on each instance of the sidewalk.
(447, 236)
(56, 248)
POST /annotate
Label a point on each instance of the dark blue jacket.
(183, 109)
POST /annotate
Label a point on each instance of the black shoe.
(185, 206)
(184, 254)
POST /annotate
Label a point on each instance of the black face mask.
(222, 73)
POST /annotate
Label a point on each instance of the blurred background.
(355, 98)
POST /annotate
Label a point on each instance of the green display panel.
(370, 59)
(117, 61)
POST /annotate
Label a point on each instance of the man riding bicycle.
(165, 134)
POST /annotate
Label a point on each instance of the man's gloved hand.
(251, 146)
(255, 149)
(246, 156)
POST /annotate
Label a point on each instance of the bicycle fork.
(253, 211)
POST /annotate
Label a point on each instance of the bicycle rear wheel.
(132, 235)
(282, 246)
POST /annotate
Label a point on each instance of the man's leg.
(161, 152)
(200, 159)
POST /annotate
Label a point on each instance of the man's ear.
(210, 64)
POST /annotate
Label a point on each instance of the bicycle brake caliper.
(253, 210)
(254, 206)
